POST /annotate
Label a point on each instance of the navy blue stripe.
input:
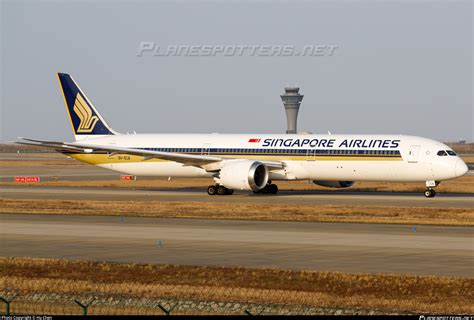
(279, 152)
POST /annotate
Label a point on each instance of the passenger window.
(451, 153)
(442, 153)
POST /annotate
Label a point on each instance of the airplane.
(252, 162)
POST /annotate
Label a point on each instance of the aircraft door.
(206, 149)
(310, 155)
(413, 154)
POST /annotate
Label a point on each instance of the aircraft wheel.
(221, 190)
(430, 193)
(230, 191)
(266, 189)
(273, 188)
(211, 190)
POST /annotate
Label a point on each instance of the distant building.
(291, 101)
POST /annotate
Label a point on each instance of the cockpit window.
(442, 153)
(451, 152)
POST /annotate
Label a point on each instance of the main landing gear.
(219, 190)
(268, 189)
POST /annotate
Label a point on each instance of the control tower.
(291, 100)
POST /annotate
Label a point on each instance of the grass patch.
(245, 211)
(382, 291)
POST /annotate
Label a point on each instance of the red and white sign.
(128, 178)
(254, 140)
(27, 179)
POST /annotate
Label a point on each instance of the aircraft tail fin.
(86, 122)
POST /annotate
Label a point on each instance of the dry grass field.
(39, 163)
(246, 211)
(383, 291)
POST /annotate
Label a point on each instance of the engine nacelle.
(334, 184)
(244, 175)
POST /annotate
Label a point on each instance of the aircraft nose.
(460, 168)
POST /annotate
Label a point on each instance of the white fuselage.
(305, 156)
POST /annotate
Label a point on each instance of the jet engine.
(334, 184)
(243, 175)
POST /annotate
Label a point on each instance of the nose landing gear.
(429, 192)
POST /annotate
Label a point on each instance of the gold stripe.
(86, 110)
(125, 158)
(80, 113)
(65, 103)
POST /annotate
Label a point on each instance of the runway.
(367, 248)
(330, 197)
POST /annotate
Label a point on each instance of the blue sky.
(400, 67)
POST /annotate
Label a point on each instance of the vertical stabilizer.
(86, 122)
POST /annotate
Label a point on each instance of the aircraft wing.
(58, 146)
(210, 163)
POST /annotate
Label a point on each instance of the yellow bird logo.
(84, 112)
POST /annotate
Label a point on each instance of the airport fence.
(175, 300)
